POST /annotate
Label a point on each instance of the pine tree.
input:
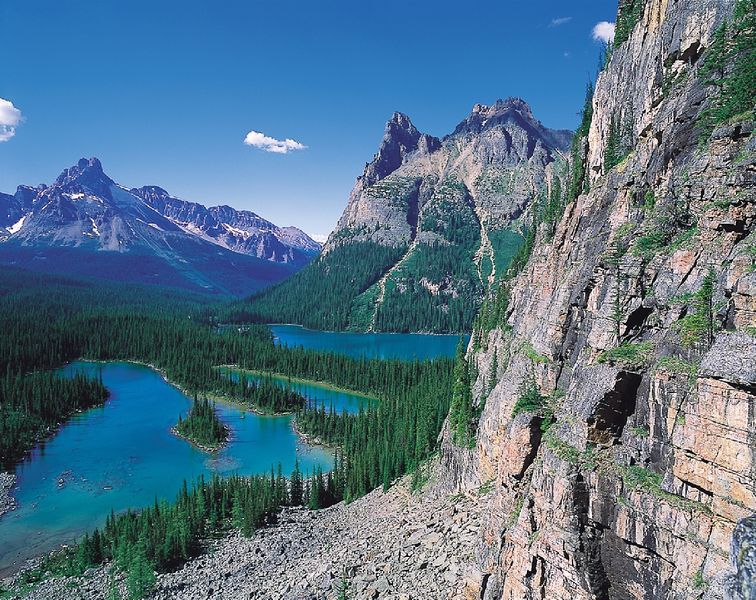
(141, 576)
(494, 371)
(296, 490)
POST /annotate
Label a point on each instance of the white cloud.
(269, 144)
(603, 32)
(320, 238)
(560, 21)
(10, 117)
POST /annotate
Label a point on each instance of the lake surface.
(123, 455)
(405, 346)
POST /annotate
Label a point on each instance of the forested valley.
(50, 321)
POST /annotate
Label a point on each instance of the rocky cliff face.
(635, 326)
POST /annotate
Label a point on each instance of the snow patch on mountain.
(16, 227)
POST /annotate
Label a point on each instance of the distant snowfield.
(16, 227)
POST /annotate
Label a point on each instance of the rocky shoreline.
(7, 502)
(397, 545)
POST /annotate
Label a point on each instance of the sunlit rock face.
(645, 466)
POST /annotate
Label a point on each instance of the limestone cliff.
(633, 328)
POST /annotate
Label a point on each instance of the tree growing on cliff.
(578, 181)
(729, 65)
(699, 327)
(461, 410)
(629, 13)
(493, 373)
(614, 262)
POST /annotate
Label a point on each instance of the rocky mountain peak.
(508, 113)
(402, 121)
(86, 173)
(502, 106)
(400, 138)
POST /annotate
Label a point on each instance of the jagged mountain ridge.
(480, 154)
(176, 242)
(432, 222)
(238, 230)
(630, 469)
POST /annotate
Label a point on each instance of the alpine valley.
(592, 437)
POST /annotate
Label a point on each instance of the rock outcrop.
(636, 323)
(7, 502)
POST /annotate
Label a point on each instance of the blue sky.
(165, 92)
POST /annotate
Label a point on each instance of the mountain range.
(86, 224)
(429, 226)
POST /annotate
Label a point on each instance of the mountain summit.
(429, 225)
(85, 224)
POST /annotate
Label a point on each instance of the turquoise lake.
(122, 455)
(405, 346)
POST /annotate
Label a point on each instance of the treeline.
(32, 406)
(408, 304)
(265, 395)
(162, 537)
(202, 425)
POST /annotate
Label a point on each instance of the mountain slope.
(240, 231)
(429, 226)
(614, 381)
(86, 224)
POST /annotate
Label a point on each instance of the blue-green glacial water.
(122, 455)
(404, 346)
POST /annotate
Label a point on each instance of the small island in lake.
(202, 427)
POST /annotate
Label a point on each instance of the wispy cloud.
(10, 117)
(603, 32)
(559, 21)
(269, 144)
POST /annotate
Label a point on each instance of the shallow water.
(123, 455)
